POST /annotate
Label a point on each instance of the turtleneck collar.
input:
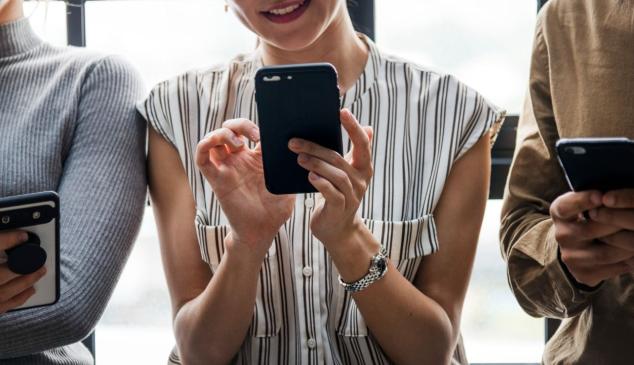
(17, 37)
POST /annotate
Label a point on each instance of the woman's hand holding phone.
(15, 289)
(342, 181)
(235, 174)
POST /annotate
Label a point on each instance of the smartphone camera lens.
(577, 150)
(6, 219)
(271, 78)
(36, 215)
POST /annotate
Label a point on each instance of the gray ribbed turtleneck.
(68, 123)
(17, 38)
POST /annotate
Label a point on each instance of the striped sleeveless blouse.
(423, 122)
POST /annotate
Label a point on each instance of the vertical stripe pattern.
(423, 122)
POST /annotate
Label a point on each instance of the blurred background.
(484, 43)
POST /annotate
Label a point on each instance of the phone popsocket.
(37, 215)
(27, 257)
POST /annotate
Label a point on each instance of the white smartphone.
(38, 215)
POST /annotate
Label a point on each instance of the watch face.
(381, 264)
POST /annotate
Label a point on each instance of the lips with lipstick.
(286, 11)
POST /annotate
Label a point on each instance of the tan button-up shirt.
(581, 85)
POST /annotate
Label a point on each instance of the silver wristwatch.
(378, 269)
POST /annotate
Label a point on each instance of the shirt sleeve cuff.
(540, 281)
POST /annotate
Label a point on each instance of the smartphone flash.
(289, 77)
(6, 219)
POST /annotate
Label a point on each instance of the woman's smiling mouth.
(287, 11)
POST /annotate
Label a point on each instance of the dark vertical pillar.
(362, 14)
(76, 23)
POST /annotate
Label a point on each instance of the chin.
(297, 29)
(294, 42)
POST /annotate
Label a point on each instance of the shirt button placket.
(311, 259)
(311, 343)
(309, 202)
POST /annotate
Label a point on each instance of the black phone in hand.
(295, 101)
(603, 164)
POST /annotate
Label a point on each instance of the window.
(486, 44)
(175, 36)
(48, 20)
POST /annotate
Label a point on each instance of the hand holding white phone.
(15, 289)
(29, 251)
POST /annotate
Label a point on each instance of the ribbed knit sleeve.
(102, 191)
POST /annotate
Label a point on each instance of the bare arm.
(426, 314)
(415, 323)
(212, 313)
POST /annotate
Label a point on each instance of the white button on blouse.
(307, 271)
(309, 202)
(311, 343)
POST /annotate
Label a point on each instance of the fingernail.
(596, 199)
(314, 176)
(295, 143)
(237, 140)
(303, 158)
(594, 213)
(610, 200)
(42, 271)
(23, 237)
(255, 134)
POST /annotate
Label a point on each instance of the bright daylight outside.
(485, 43)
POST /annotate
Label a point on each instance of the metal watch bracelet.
(378, 269)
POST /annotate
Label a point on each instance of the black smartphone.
(602, 164)
(38, 215)
(295, 101)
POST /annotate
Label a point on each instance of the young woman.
(67, 123)
(414, 184)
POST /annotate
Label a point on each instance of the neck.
(338, 45)
(11, 11)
